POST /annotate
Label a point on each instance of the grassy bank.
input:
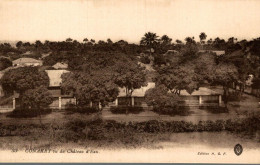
(108, 133)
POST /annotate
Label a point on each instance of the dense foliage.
(190, 66)
(96, 87)
(4, 63)
(23, 78)
(164, 102)
(36, 98)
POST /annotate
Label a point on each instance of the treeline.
(98, 69)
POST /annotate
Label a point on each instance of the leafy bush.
(126, 109)
(105, 132)
(27, 113)
(164, 102)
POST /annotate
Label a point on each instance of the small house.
(27, 62)
(201, 97)
(60, 100)
(60, 65)
(217, 52)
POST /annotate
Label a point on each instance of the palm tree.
(149, 40)
(202, 36)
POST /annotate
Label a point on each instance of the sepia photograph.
(130, 81)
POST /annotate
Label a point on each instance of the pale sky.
(127, 19)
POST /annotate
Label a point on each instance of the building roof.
(55, 77)
(26, 60)
(200, 92)
(171, 52)
(218, 52)
(137, 92)
(27, 53)
(203, 91)
(60, 65)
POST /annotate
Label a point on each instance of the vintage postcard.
(130, 81)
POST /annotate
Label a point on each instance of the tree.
(190, 49)
(186, 75)
(109, 41)
(101, 42)
(96, 87)
(124, 69)
(22, 79)
(209, 42)
(69, 40)
(231, 40)
(224, 75)
(190, 40)
(4, 63)
(149, 39)
(166, 40)
(19, 44)
(219, 43)
(175, 79)
(162, 101)
(92, 41)
(129, 75)
(85, 40)
(203, 37)
(178, 41)
(38, 97)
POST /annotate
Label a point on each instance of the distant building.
(171, 52)
(201, 97)
(137, 97)
(217, 52)
(60, 65)
(60, 100)
(27, 62)
(27, 53)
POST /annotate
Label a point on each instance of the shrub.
(126, 109)
(164, 102)
(27, 113)
(68, 135)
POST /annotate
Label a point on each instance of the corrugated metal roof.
(137, 92)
